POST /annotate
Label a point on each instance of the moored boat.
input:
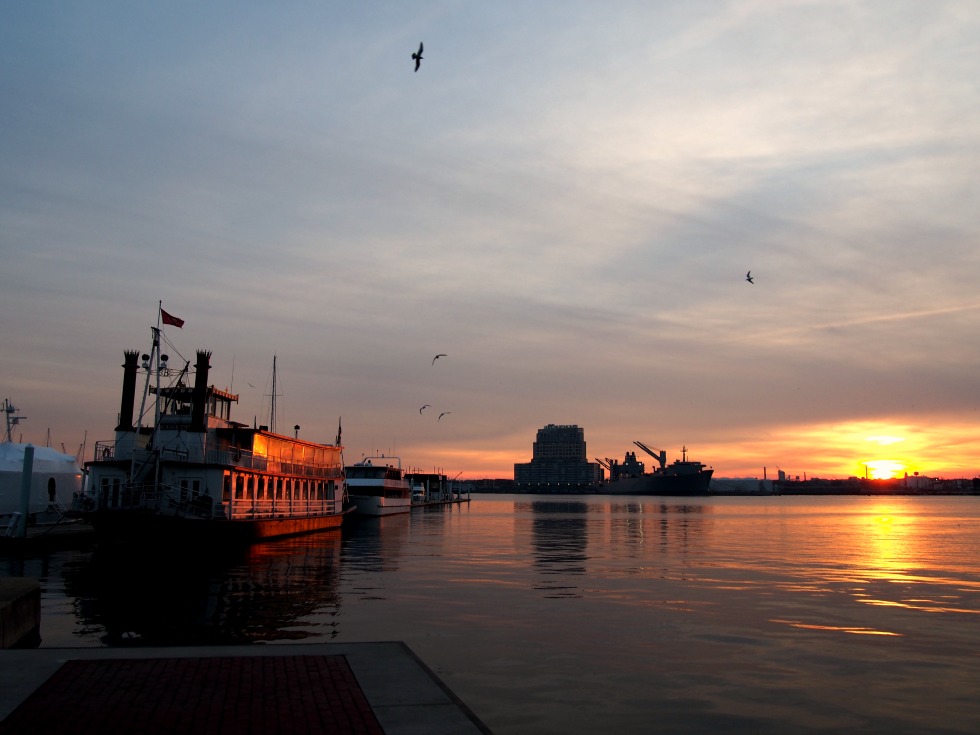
(193, 472)
(376, 486)
(55, 478)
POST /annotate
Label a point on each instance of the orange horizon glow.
(872, 449)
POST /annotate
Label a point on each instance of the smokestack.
(200, 399)
(130, 366)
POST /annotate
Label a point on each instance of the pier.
(369, 688)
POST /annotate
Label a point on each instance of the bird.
(418, 57)
(437, 357)
(748, 277)
(427, 405)
(443, 414)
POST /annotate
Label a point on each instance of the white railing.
(284, 508)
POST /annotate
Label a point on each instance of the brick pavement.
(237, 695)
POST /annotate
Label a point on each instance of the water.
(593, 614)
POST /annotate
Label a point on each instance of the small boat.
(193, 473)
(378, 487)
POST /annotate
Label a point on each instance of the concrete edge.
(405, 695)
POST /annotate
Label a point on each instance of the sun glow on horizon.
(885, 469)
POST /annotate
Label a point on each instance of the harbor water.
(585, 614)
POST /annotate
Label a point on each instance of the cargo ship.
(680, 477)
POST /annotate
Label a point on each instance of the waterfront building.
(559, 460)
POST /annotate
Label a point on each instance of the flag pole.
(155, 365)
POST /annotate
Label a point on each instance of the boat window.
(239, 486)
(250, 487)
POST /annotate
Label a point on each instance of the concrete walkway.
(294, 688)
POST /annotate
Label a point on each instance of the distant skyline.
(564, 199)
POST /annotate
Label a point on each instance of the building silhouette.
(559, 462)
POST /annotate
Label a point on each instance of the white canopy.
(53, 472)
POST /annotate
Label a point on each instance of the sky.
(564, 200)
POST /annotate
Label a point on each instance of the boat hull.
(375, 506)
(657, 484)
(145, 527)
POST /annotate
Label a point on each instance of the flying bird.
(437, 357)
(748, 277)
(418, 57)
(443, 414)
(427, 405)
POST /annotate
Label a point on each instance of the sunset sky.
(564, 199)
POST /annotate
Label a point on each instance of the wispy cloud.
(566, 197)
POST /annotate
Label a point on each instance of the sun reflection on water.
(836, 628)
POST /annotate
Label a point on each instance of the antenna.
(12, 420)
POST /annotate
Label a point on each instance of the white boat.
(377, 486)
(193, 472)
(55, 479)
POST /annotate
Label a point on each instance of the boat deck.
(307, 688)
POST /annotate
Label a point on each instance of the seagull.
(427, 405)
(443, 414)
(418, 57)
(437, 357)
(748, 277)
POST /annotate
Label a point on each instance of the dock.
(437, 503)
(378, 688)
(71, 534)
(375, 688)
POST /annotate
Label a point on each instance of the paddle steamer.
(194, 473)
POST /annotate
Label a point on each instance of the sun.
(884, 469)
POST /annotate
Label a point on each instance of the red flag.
(171, 319)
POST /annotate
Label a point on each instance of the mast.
(272, 417)
(12, 420)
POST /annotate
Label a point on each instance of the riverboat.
(376, 486)
(193, 473)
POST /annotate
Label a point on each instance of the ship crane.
(604, 463)
(658, 454)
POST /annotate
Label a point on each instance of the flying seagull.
(748, 277)
(442, 354)
(418, 57)
(427, 405)
(443, 414)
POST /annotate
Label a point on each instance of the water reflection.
(640, 526)
(566, 535)
(559, 532)
(371, 547)
(253, 594)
